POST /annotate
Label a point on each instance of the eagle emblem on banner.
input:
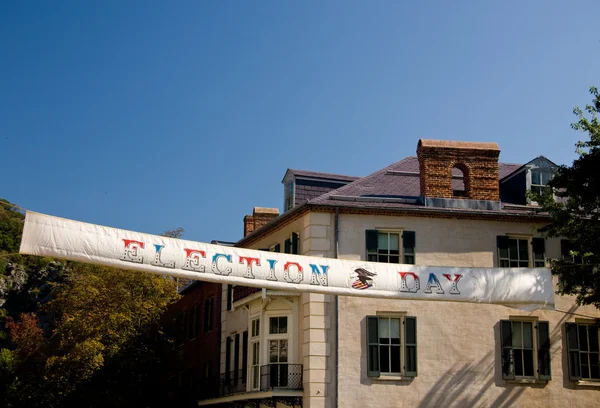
(363, 278)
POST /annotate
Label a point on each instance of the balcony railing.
(234, 383)
(240, 292)
(281, 376)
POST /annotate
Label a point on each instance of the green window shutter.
(287, 245)
(295, 243)
(502, 247)
(277, 248)
(371, 238)
(229, 297)
(538, 246)
(543, 331)
(236, 358)
(410, 346)
(565, 249)
(373, 346)
(573, 351)
(244, 356)
(508, 365)
(228, 360)
(408, 246)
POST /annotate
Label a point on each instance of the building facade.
(453, 205)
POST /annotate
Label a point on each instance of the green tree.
(574, 209)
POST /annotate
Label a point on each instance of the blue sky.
(153, 115)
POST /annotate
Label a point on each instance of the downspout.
(337, 310)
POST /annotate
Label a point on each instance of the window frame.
(403, 346)
(254, 355)
(540, 350)
(208, 317)
(570, 350)
(403, 251)
(541, 186)
(531, 242)
(291, 186)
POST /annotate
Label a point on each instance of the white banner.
(44, 235)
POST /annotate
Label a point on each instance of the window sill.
(392, 378)
(589, 383)
(526, 381)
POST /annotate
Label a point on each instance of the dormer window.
(288, 196)
(539, 180)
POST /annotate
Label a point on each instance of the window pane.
(384, 328)
(273, 351)
(519, 363)
(513, 249)
(535, 177)
(527, 335)
(394, 259)
(523, 250)
(394, 242)
(585, 368)
(593, 336)
(283, 351)
(395, 328)
(504, 263)
(255, 353)
(273, 325)
(594, 366)
(395, 359)
(382, 241)
(383, 258)
(384, 359)
(583, 344)
(528, 362)
(516, 335)
(282, 325)
(546, 177)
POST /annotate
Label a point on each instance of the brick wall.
(259, 218)
(478, 162)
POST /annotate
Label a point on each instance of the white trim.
(251, 395)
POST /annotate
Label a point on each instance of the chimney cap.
(450, 144)
(265, 210)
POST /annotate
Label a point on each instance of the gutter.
(336, 224)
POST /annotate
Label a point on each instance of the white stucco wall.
(458, 343)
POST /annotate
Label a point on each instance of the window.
(539, 181)
(583, 348)
(278, 343)
(194, 323)
(278, 325)
(255, 354)
(275, 248)
(569, 253)
(229, 297)
(291, 245)
(288, 196)
(525, 349)
(391, 346)
(385, 246)
(513, 252)
(208, 315)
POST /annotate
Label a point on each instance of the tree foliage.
(575, 211)
(79, 335)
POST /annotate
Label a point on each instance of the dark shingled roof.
(399, 180)
(327, 176)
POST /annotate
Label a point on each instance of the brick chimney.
(478, 162)
(260, 217)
